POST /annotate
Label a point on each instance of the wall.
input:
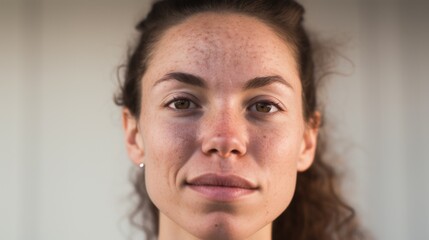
(64, 171)
(377, 109)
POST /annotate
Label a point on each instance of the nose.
(224, 135)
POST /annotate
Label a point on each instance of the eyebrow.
(264, 81)
(184, 78)
(194, 80)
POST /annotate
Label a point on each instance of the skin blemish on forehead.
(212, 43)
(209, 35)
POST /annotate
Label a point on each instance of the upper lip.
(213, 179)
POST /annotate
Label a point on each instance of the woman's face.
(221, 130)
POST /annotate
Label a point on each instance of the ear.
(133, 140)
(309, 143)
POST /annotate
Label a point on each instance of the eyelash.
(266, 103)
(177, 99)
(252, 107)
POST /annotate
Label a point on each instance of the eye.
(264, 107)
(181, 103)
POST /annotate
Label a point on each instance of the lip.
(222, 188)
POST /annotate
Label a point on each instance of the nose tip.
(224, 145)
(224, 133)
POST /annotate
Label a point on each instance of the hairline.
(182, 18)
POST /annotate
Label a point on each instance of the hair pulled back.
(316, 211)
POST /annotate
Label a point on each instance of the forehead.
(216, 43)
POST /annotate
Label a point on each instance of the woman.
(220, 111)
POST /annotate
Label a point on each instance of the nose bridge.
(225, 123)
(224, 132)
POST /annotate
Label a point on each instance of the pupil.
(181, 104)
(261, 107)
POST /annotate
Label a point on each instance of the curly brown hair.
(317, 210)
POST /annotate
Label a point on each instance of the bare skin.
(221, 130)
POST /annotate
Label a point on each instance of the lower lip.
(220, 193)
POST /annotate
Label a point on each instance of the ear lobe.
(133, 140)
(309, 143)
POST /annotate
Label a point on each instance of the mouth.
(222, 188)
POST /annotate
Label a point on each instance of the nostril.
(235, 151)
(212, 151)
(228, 153)
(223, 154)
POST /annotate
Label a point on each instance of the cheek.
(167, 140)
(277, 154)
(277, 148)
(167, 145)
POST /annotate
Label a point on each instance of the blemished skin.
(221, 101)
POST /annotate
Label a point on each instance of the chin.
(220, 231)
(222, 226)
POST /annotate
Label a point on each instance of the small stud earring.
(141, 165)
